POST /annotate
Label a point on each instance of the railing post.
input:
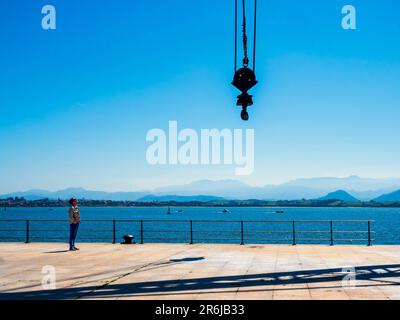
(331, 233)
(141, 231)
(369, 233)
(294, 232)
(191, 232)
(27, 232)
(242, 232)
(114, 232)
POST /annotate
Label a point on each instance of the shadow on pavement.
(382, 274)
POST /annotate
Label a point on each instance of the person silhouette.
(74, 221)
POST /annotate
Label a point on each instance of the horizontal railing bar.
(178, 239)
(312, 221)
(324, 239)
(52, 220)
(246, 239)
(312, 239)
(57, 238)
(205, 239)
(266, 239)
(258, 231)
(194, 231)
(348, 231)
(67, 230)
(216, 230)
(166, 231)
(185, 231)
(267, 231)
(11, 237)
(345, 239)
(312, 231)
(198, 231)
(194, 221)
(316, 231)
(238, 239)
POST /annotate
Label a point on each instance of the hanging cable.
(236, 5)
(244, 36)
(255, 34)
(244, 78)
(244, 31)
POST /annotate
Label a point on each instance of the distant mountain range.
(339, 195)
(177, 198)
(313, 188)
(352, 188)
(76, 192)
(393, 196)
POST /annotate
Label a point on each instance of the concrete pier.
(199, 271)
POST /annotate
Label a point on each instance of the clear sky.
(76, 102)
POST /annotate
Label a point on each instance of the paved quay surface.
(200, 271)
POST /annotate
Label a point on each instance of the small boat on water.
(225, 211)
(169, 210)
(279, 211)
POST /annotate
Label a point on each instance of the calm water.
(386, 225)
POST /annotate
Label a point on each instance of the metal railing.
(193, 231)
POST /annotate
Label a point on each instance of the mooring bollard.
(128, 239)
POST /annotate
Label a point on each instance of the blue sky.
(76, 102)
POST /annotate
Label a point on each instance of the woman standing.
(74, 220)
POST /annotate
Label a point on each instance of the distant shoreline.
(49, 203)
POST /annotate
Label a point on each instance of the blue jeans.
(73, 231)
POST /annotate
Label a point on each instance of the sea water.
(261, 225)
